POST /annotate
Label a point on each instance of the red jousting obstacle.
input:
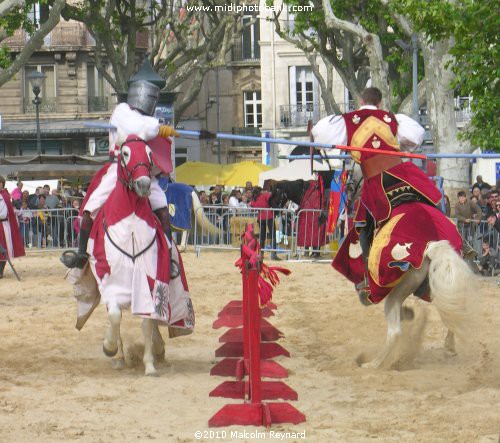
(250, 349)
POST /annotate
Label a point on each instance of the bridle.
(129, 181)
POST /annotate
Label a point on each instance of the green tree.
(189, 40)
(359, 39)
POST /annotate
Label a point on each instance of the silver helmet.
(143, 96)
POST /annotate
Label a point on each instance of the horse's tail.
(450, 281)
(203, 222)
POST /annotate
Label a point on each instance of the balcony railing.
(98, 104)
(238, 54)
(254, 132)
(48, 105)
(299, 115)
(463, 112)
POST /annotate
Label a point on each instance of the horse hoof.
(369, 365)
(118, 364)
(109, 353)
(407, 313)
(151, 372)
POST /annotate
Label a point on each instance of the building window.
(252, 104)
(96, 90)
(38, 14)
(47, 90)
(304, 90)
(248, 47)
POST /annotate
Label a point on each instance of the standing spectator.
(265, 218)
(33, 198)
(73, 223)
(42, 222)
(46, 190)
(480, 200)
(493, 223)
(491, 201)
(481, 184)
(249, 186)
(24, 216)
(244, 201)
(468, 215)
(234, 199)
(10, 237)
(55, 204)
(17, 194)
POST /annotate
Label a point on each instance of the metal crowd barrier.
(479, 234)
(227, 224)
(288, 235)
(48, 228)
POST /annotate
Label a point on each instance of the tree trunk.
(441, 114)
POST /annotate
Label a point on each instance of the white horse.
(447, 278)
(133, 262)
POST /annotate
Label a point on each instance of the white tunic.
(332, 130)
(127, 122)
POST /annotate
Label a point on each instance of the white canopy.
(295, 170)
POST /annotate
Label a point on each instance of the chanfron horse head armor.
(135, 165)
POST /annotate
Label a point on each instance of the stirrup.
(363, 290)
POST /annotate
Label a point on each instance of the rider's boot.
(363, 287)
(2, 267)
(164, 218)
(79, 259)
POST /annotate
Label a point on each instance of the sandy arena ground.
(57, 385)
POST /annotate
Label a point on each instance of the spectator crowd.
(47, 217)
(478, 221)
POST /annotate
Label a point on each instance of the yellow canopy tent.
(237, 174)
(199, 173)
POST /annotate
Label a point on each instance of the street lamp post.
(36, 79)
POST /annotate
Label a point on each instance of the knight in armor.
(133, 117)
(388, 180)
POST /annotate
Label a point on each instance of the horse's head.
(135, 164)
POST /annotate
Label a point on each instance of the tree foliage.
(14, 16)
(344, 49)
(189, 39)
